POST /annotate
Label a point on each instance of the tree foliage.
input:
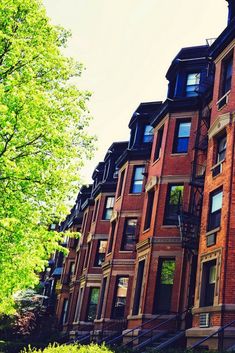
(43, 140)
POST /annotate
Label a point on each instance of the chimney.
(231, 10)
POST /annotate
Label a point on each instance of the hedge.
(72, 348)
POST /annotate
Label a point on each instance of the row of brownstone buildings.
(155, 261)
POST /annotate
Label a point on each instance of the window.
(192, 84)
(64, 314)
(101, 301)
(149, 210)
(108, 209)
(111, 238)
(221, 148)
(148, 134)
(138, 288)
(158, 143)
(87, 254)
(208, 283)
(92, 304)
(129, 235)
(120, 298)
(215, 209)
(95, 210)
(173, 203)
(78, 305)
(120, 187)
(226, 78)
(137, 180)
(100, 253)
(182, 135)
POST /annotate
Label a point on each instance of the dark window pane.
(158, 143)
(92, 304)
(215, 209)
(222, 142)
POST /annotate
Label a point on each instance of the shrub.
(72, 348)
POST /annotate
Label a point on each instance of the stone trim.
(174, 179)
(220, 124)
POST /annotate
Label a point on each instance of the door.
(164, 286)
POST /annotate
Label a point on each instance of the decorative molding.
(151, 183)
(219, 124)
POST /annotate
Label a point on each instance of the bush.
(72, 348)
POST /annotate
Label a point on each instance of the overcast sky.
(127, 47)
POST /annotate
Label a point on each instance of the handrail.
(111, 325)
(132, 330)
(221, 329)
(155, 327)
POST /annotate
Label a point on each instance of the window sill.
(125, 251)
(215, 230)
(156, 160)
(178, 154)
(146, 230)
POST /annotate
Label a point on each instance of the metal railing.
(219, 332)
(142, 326)
(118, 338)
(115, 327)
(150, 332)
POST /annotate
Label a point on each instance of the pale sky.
(127, 47)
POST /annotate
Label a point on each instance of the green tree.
(43, 141)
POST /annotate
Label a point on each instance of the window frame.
(115, 301)
(106, 216)
(168, 217)
(121, 183)
(149, 209)
(148, 134)
(134, 180)
(212, 222)
(195, 85)
(223, 88)
(177, 138)
(158, 147)
(98, 262)
(124, 243)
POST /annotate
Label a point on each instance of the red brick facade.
(158, 225)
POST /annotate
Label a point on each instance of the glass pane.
(131, 226)
(148, 134)
(139, 173)
(216, 202)
(122, 287)
(222, 144)
(212, 274)
(193, 79)
(182, 145)
(176, 194)
(167, 272)
(110, 202)
(184, 129)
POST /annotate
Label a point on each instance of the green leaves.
(43, 141)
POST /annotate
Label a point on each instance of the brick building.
(155, 261)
